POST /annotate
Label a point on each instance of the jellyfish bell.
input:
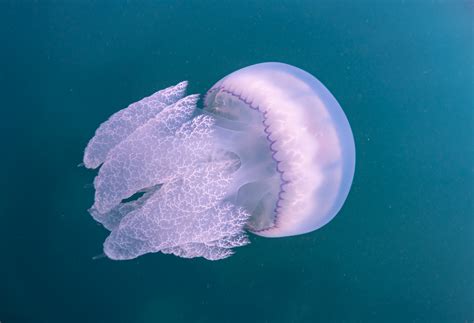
(296, 146)
(271, 152)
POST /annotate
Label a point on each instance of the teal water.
(401, 249)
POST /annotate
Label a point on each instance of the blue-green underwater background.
(401, 249)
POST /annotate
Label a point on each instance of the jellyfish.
(271, 152)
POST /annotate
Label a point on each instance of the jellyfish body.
(272, 153)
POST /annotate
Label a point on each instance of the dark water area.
(400, 250)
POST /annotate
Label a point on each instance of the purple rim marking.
(266, 127)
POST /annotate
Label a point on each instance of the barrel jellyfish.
(271, 152)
